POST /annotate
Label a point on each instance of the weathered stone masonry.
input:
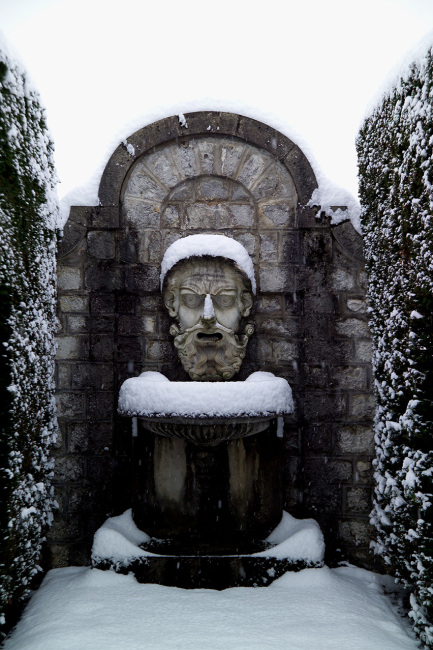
(235, 176)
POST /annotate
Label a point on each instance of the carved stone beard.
(210, 351)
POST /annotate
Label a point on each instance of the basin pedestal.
(206, 481)
(201, 499)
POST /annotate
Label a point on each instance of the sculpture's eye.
(192, 300)
(224, 300)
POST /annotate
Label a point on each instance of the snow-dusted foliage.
(395, 149)
(28, 212)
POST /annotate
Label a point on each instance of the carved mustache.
(208, 333)
(202, 329)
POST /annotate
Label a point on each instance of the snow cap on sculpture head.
(208, 285)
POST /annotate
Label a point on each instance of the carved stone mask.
(209, 297)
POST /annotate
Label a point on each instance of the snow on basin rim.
(118, 540)
(213, 245)
(153, 394)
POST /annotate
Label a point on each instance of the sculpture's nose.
(208, 310)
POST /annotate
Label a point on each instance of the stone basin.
(207, 431)
(205, 413)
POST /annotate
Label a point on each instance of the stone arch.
(233, 187)
(260, 172)
(200, 124)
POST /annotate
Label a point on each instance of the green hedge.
(28, 213)
(395, 153)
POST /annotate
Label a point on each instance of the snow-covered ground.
(78, 608)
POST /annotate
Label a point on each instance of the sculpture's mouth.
(212, 337)
(210, 351)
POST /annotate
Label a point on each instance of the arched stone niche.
(229, 174)
(213, 185)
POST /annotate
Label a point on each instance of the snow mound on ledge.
(298, 540)
(119, 539)
(153, 394)
(337, 203)
(213, 245)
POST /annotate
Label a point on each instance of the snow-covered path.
(316, 609)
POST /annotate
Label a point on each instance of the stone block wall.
(234, 176)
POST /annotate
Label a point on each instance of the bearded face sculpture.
(209, 296)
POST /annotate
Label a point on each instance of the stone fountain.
(207, 501)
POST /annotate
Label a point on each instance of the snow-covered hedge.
(395, 150)
(28, 213)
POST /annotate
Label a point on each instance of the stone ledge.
(207, 572)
